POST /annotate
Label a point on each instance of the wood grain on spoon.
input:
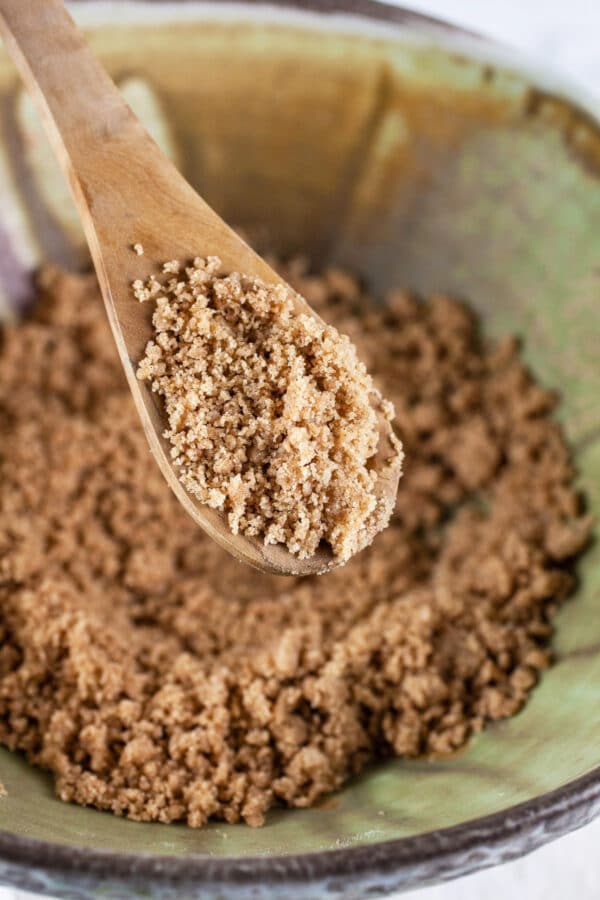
(127, 191)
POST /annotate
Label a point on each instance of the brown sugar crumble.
(271, 415)
(155, 677)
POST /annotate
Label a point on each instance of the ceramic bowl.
(418, 155)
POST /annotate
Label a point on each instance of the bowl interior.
(409, 156)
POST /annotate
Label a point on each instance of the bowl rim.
(386, 866)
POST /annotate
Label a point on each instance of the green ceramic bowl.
(422, 156)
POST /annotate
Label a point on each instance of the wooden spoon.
(126, 192)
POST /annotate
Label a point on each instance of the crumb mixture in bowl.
(271, 415)
(155, 677)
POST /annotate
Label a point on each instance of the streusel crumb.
(156, 677)
(271, 414)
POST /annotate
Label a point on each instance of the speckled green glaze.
(417, 156)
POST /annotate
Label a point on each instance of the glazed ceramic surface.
(419, 156)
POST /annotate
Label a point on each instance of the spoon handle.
(81, 108)
(125, 189)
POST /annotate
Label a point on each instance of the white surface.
(567, 33)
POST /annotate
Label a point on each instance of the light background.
(567, 34)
